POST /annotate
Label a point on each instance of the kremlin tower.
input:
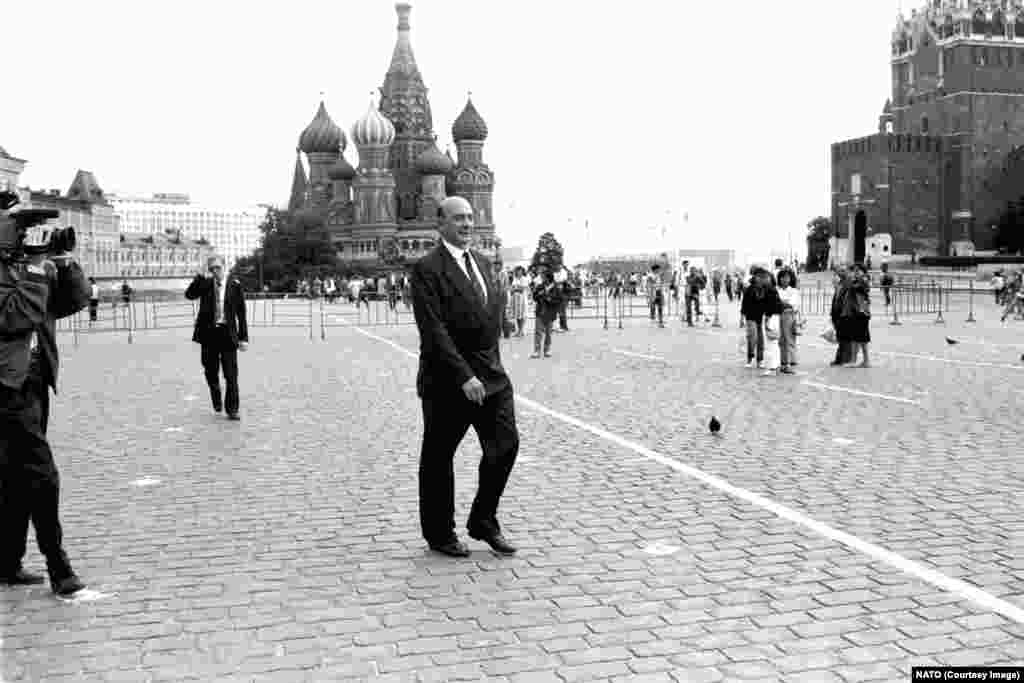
(383, 212)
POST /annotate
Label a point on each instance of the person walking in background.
(886, 283)
(855, 315)
(716, 283)
(547, 296)
(94, 301)
(519, 290)
(221, 330)
(565, 283)
(760, 300)
(789, 319)
(728, 286)
(656, 294)
(461, 382)
(840, 282)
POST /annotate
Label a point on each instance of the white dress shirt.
(223, 289)
(457, 253)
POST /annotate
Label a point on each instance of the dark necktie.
(473, 278)
(218, 302)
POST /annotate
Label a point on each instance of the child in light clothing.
(788, 320)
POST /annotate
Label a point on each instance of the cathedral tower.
(472, 178)
(404, 102)
(322, 141)
(300, 186)
(374, 185)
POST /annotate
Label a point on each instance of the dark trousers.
(446, 419)
(29, 481)
(755, 340)
(563, 323)
(220, 352)
(658, 308)
(692, 302)
(542, 334)
(94, 307)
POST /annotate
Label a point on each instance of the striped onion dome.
(432, 162)
(373, 128)
(322, 134)
(341, 170)
(470, 125)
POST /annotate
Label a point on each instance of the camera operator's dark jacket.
(30, 302)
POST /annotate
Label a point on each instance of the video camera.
(26, 233)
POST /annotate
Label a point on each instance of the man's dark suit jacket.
(234, 310)
(458, 333)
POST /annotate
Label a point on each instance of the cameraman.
(35, 290)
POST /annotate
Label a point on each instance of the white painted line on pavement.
(914, 569)
(175, 429)
(833, 387)
(951, 361)
(660, 549)
(146, 481)
(842, 441)
(86, 595)
(190, 398)
(624, 352)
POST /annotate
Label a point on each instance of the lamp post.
(259, 265)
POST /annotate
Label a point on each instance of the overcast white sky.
(624, 113)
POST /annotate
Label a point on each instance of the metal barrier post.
(970, 303)
(895, 307)
(715, 322)
(605, 297)
(130, 317)
(323, 322)
(620, 305)
(310, 320)
(939, 320)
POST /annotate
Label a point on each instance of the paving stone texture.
(286, 547)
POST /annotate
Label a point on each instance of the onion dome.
(470, 125)
(432, 162)
(322, 135)
(373, 128)
(341, 170)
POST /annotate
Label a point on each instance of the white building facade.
(232, 232)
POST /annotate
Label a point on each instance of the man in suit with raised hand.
(221, 330)
(461, 382)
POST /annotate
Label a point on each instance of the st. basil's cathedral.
(384, 211)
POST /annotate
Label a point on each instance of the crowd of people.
(1008, 289)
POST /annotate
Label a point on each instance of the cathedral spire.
(402, 59)
(300, 185)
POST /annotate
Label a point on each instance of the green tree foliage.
(819, 230)
(549, 254)
(295, 245)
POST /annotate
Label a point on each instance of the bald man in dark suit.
(461, 382)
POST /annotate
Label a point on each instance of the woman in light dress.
(519, 291)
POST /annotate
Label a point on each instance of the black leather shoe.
(217, 407)
(21, 578)
(497, 542)
(453, 548)
(67, 586)
(233, 416)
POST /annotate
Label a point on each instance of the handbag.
(829, 335)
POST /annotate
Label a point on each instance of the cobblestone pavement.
(286, 547)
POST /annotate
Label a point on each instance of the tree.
(819, 231)
(295, 245)
(549, 254)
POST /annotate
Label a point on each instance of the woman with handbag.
(789, 320)
(855, 316)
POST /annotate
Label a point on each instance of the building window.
(924, 125)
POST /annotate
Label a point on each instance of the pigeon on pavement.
(715, 426)
(951, 341)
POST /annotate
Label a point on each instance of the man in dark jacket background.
(33, 294)
(221, 329)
